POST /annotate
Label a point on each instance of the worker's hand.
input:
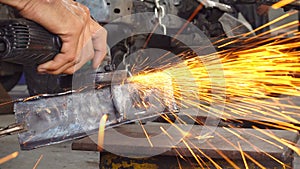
(262, 9)
(83, 38)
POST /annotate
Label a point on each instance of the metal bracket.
(13, 129)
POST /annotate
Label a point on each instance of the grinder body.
(25, 42)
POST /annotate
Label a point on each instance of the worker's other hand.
(83, 38)
(262, 9)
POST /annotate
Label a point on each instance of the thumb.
(99, 43)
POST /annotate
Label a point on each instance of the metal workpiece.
(132, 104)
(57, 119)
(52, 119)
(12, 129)
(115, 77)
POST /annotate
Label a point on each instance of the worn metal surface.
(51, 119)
(56, 119)
(222, 140)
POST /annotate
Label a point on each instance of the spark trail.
(261, 76)
(252, 78)
(8, 157)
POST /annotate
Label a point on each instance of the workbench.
(223, 148)
(258, 148)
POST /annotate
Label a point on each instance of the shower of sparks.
(101, 131)
(260, 77)
(38, 162)
(252, 76)
(9, 157)
(284, 142)
(255, 73)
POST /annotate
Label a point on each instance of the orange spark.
(281, 3)
(254, 146)
(101, 131)
(193, 15)
(280, 140)
(243, 156)
(266, 140)
(192, 152)
(166, 133)
(178, 153)
(234, 146)
(206, 156)
(224, 156)
(38, 161)
(9, 157)
(178, 161)
(252, 76)
(183, 133)
(146, 134)
(271, 22)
